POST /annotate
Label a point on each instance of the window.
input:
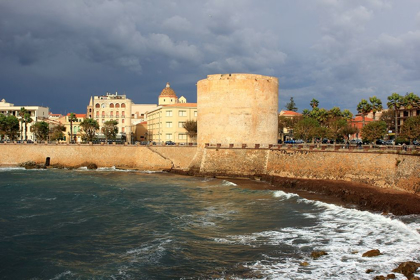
(195, 113)
(117, 105)
(123, 105)
(182, 113)
(181, 124)
(168, 124)
(123, 129)
(97, 105)
(169, 113)
(182, 136)
(122, 121)
(168, 136)
(111, 105)
(103, 105)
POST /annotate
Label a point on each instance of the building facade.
(166, 122)
(38, 113)
(109, 107)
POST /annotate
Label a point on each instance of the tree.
(89, 128)
(72, 118)
(306, 113)
(41, 129)
(388, 117)
(411, 128)
(9, 126)
(364, 108)
(335, 128)
(314, 103)
(22, 113)
(395, 102)
(110, 129)
(373, 131)
(56, 132)
(347, 115)
(307, 129)
(348, 130)
(291, 106)
(376, 104)
(28, 119)
(410, 101)
(191, 128)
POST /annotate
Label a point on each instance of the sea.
(124, 224)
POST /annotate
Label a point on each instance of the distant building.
(357, 122)
(286, 133)
(77, 131)
(165, 123)
(38, 113)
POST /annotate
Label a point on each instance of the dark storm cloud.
(59, 53)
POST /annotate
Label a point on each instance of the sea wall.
(138, 157)
(385, 170)
(381, 169)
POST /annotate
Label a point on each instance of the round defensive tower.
(237, 109)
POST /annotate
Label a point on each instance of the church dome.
(168, 92)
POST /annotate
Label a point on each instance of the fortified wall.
(385, 170)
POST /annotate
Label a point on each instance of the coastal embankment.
(377, 180)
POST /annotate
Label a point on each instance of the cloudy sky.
(58, 53)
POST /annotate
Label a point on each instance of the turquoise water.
(110, 224)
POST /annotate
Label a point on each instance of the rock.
(31, 165)
(390, 276)
(371, 253)
(92, 166)
(369, 271)
(317, 254)
(407, 268)
(379, 277)
(304, 263)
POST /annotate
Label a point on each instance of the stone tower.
(237, 109)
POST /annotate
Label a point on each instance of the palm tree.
(410, 101)
(28, 119)
(314, 103)
(394, 102)
(364, 108)
(376, 104)
(22, 113)
(72, 118)
(89, 127)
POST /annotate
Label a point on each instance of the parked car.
(327, 141)
(169, 143)
(355, 141)
(416, 142)
(389, 142)
(380, 142)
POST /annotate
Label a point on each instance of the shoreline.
(343, 193)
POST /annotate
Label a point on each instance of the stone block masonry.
(384, 170)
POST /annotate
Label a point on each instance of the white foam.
(227, 183)
(284, 195)
(4, 169)
(345, 234)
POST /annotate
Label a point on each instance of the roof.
(168, 92)
(181, 105)
(289, 113)
(78, 115)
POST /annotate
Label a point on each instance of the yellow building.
(165, 123)
(77, 131)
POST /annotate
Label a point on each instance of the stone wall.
(385, 170)
(138, 157)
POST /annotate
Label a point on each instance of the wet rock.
(407, 268)
(31, 165)
(317, 254)
(371, 253)
(379, 277)
(304, 263)
(390, 276)
(92, 166)
(369, 271)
